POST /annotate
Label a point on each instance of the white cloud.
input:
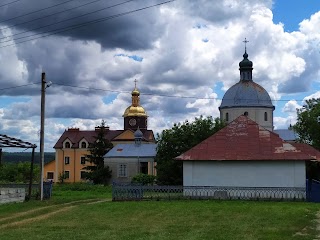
(175, 61)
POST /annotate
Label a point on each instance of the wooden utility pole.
(43, 102)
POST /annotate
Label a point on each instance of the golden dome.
(135, 111)
(135, 92)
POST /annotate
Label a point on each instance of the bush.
(144, 179)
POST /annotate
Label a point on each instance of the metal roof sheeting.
(246, 94)
(133, 150)
(242, 140)
(286, 134)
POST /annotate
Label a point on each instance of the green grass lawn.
(82, 212)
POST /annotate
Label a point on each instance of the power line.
(156, 95)
(147, 94)
(50, 15)
(39, 10)
(25, 85)
(72, 27)
(48, 25)
(9, 3)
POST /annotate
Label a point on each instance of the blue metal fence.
(313, 191)
(128, 191)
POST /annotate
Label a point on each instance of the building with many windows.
(73, 145)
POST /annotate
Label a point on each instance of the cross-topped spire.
(135, 83)
(245, 44)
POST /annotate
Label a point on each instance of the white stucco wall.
(244, 173)
(256, 114)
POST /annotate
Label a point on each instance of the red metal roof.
(308, 149)
(244, 139)
(76, 135)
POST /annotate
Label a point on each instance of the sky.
(184, 55)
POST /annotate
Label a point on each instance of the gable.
(125, 135)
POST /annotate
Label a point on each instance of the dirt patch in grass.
(65, 207)
(29, 212)
(37, 218)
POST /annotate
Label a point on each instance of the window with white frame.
(66, 160)
(83, 160)
(50, 175)
(67, 145)
(83, 174)
(83, 144)
(66, 174)
(122, 170)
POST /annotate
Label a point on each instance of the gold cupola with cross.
(135, 116)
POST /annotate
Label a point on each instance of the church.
(73, 145)
(248, 153)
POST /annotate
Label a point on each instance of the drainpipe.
(74, 165)
(62, 163)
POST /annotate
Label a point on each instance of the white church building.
(247, 153)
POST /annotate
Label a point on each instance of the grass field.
(86, 212)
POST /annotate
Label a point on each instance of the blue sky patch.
(134, 57)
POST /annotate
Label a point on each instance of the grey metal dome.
(246, 94)
(138, 133)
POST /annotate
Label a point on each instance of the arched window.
(246, 113)
(265, 116)
(227, 117)
(83, 145)
(67, 145)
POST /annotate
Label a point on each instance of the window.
(144, 167)
(66, 160)
(265, 116)
(83, 145)
(67, 145)
(66, 174)
(122, 170)
(83, 174)
(227, 117)
(83, 160)
(246, 113)
(50, 175)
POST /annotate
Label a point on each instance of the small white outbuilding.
(245, 155)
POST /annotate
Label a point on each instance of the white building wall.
(132, 164)
(255, 114)
(244, 173)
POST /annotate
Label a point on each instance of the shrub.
(144, 179)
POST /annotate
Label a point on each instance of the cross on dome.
(245, 44)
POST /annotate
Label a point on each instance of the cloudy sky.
(184, 55)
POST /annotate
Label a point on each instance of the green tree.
(18, 172)
(99, 173)
(308, 129)
(177, 140)
(307, 125)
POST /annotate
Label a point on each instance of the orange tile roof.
(244, 139)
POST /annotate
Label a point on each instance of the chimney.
(73, 129)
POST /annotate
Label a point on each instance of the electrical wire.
(48, 25)
(25, 85)
(50, 15)
(9, 3)
(39, 10)
(146, 94)
(152, 94)
(72, 27)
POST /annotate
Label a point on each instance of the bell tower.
(135, 116)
